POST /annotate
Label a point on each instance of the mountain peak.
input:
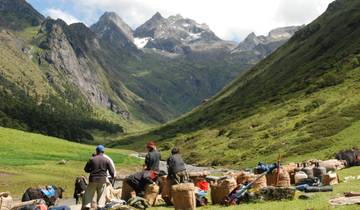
(175, 33)
(114, 18)
(275, 38)
(251, 36)
(111, 21)
(157, 16)
(149, 27)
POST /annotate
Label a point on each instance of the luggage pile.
(317, 175)
(7, 203)
(265, 182)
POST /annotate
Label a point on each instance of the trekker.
(152, 159)
(97, 166)
(176, 168)
(138, 181)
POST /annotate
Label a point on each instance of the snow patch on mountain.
(141, 42)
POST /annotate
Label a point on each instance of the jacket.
(98, 166)
(175, 164)
(152, 160)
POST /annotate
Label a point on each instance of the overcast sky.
(229, 19)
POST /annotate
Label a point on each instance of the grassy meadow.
(320, 201)
(32, 160)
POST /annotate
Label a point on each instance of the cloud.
(57, 13)
(299, 11)
(229, 19)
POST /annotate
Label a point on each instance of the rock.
(63, 162)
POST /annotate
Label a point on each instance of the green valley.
(301, 102)
(99, 73)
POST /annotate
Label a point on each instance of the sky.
(229, 19)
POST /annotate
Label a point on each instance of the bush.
(313, 105)
(330, 79)
(327, 80)
(293, 112)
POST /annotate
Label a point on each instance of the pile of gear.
(175, 187)
(265, 182)
(7, 202)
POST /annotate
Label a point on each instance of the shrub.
(293, 112)
(313, 105)
(329, 79)
(300, 124)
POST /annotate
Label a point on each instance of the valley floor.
(32, 160)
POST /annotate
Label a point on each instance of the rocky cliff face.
(69, 58)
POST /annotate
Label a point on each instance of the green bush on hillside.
(313, 105)
(327, 80)
(330, 79)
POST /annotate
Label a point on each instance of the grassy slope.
(318, 202)
(31, 160)
(17, 67)
(301, 102)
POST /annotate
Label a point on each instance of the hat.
(100, 148)
(150, 144)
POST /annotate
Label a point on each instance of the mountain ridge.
(301, 102)
(98, 70)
